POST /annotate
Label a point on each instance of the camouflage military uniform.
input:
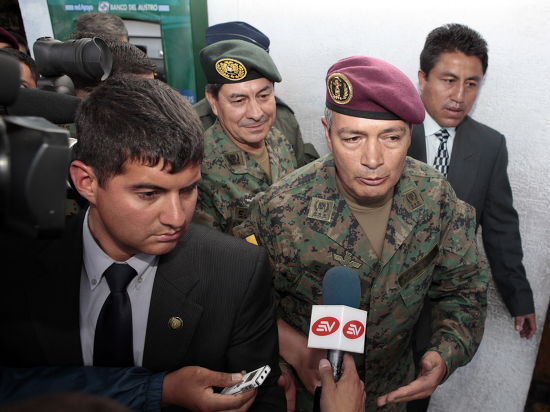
(429, 249)
(231, 178)
(285, 121)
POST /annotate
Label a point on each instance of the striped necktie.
(441, 161)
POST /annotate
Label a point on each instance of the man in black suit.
(452, 65)
(474, 159)
(195, 301)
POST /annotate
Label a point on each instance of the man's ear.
(327, 132)
(213, 102)
(84, 180)
(422, 79)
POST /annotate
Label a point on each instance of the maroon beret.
(7, 37)
(366, 87)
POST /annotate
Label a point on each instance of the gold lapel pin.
(175, 322)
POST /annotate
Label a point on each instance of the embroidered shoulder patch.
(413, 199)
(321, 209)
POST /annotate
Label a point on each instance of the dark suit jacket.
(218, 285)
(477, 173)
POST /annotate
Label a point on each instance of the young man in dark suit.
(194, 301)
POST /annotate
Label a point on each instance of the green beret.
(234, 61)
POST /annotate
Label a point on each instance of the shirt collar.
(431, 126)
(96, 261)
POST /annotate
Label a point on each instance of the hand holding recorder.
(192, 388)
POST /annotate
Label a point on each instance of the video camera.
(85, 61)
(34, 158)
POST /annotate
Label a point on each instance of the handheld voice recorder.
(250, 381)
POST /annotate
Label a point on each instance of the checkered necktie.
(441, 161)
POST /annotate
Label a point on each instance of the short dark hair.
(136, 119)
(213, 89)
(451, 38)
(128, 59)
(23, 58)
(101, 23)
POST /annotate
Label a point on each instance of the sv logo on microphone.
(354, 329)
(325, 326)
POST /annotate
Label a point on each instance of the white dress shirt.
(432, 142)
(94, 291)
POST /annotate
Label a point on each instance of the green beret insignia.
(231, 69)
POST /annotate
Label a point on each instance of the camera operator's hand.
(346, 395)
(191, 388)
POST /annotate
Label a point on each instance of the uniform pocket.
(415, 281)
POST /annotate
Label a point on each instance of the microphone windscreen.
(55, 107)
(341, 286)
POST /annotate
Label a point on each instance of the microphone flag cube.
(337, 327)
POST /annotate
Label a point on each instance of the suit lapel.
(417, 149)
(173, 317)
(464, 162)
(55, 296)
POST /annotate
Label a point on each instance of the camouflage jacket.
(285, 121)
(429, 250)
(231, 178)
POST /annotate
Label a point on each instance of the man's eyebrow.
(476, 78)
(394, 129)
(235, 95)
(268, 87)
(149, 186)
(454, 76)
(347, 130)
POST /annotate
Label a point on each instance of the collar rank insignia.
(231, 69)
(347, 260)
(413, 199)
(339, 88)
(321, 209)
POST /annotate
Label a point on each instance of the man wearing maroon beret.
(394, 220)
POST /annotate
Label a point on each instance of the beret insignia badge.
(231, 69)
(339, 88)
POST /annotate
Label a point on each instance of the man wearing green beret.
(394, 220)
(285, 120)
(244, 154)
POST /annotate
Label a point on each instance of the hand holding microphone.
(338, 325)
(346, 395)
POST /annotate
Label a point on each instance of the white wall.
(308, 36)
(36, 19)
